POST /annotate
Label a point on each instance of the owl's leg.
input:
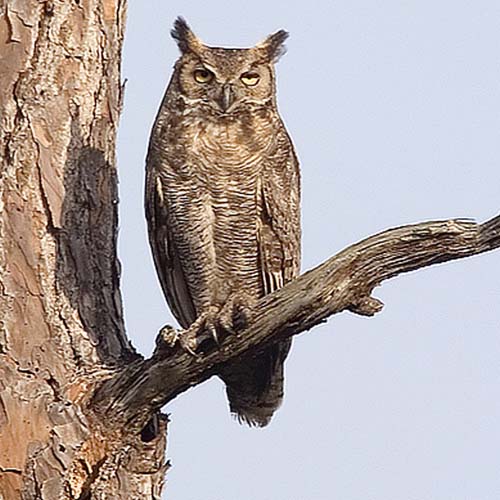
(204, 328)
(235, 313)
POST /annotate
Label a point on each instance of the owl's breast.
(226, 157)
(230, 145)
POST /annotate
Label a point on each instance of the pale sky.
(393, 108)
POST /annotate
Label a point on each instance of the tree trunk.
(61, 324)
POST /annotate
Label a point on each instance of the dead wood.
(344, 282)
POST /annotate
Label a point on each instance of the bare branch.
(344, 282)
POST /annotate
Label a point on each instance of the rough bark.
(61, 324)
(79, 408)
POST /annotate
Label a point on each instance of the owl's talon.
(208, 325)
(235, 313)
(203, 329)
(213, 331)
(227, 326)
(225, 320)
(189, 338)
(187, 345)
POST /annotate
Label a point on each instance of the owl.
(223, 204)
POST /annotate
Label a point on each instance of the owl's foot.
(230, 318)
(235, 313)
(204, 328)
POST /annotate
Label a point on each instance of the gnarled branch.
(344, 282)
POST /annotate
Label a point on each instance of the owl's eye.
(203, 75)
(250, 79)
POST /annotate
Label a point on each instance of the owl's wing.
(279, 231)
(165, 255)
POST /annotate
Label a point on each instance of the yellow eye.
(250, 79)
(203, 75)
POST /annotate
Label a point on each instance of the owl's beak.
(227, 97)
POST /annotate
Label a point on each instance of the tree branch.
(344, 282)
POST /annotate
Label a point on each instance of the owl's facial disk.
(226, 79)
(226, 84)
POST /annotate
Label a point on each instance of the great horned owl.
(222, 202)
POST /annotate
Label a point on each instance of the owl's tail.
(254, 385)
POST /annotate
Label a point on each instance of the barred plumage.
(222, 200)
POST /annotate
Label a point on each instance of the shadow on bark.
(88, 270)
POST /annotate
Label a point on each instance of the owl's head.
(223, 79)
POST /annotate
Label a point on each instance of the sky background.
(394, 109)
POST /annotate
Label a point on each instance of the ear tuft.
(274, 45)
(184, 36)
